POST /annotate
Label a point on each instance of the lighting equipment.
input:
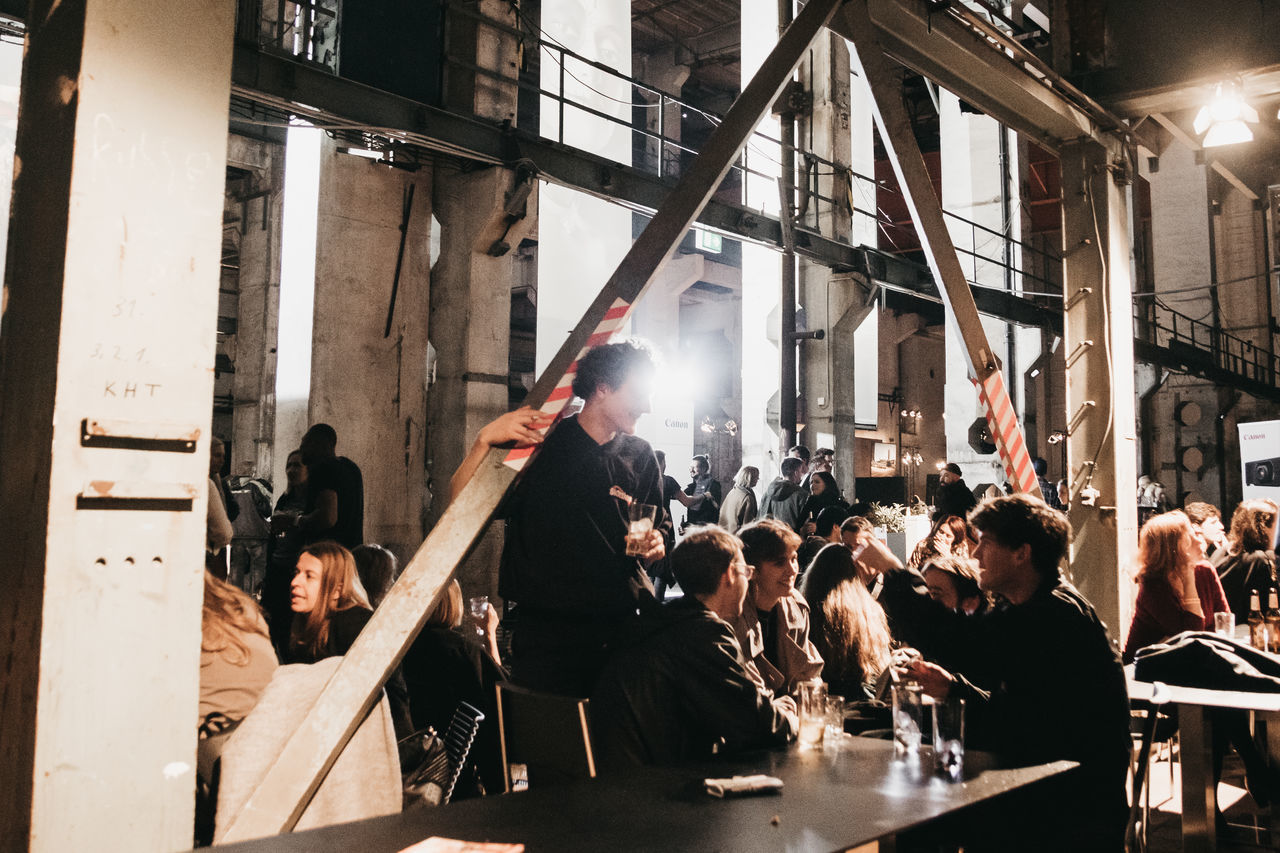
(1226, 118)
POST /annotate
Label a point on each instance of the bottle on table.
(1272, 619)
(1259, 637)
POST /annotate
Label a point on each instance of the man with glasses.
(683, 687)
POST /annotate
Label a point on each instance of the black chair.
(549, 735)
(458, 739)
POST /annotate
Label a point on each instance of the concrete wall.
(258, 282)
(370, 388)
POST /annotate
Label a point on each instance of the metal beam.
(926, 212)
(1020, 93)
(356, 685)
(285, 84)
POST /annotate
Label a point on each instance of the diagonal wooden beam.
(291, 780)
(926, 212)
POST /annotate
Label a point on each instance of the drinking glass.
(1224, 623)
(478, 606)
(948, 738)
(811, 703)
(640, 521)
(908, 715)
(835, 717)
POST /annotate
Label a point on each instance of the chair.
(457, 742)
(550, 735)
(1157, 729)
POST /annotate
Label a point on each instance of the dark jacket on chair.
(682, 688)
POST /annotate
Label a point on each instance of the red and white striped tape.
(614, 319)
(1006, 434)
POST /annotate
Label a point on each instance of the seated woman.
(237, 661)
(329, 604)
(947, 538)
(1250, 564)
(1177, 588)
(773, 629)
(846, 624)
(377, 568)
(953, 583)
(447, 664)
(330, 609)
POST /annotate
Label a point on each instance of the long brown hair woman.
(329, 603)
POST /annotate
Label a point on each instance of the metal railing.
(1200, 347)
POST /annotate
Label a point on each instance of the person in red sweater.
(1178, 590)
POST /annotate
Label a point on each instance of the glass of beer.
(640, 522)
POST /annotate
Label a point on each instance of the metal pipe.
(787, 385)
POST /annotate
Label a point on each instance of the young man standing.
(564, 564)
(784, 499)
(1053, 689)
(684, 686)
(703, 491)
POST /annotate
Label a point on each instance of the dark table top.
(836, 797)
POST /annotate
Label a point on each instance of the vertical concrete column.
(371, 388)
(835, 303)
(971, 179)
(253, 426)
(106, 373)
(470, 331)
(1098, 337)
(657, 316)
(663, 118)
(761, 267)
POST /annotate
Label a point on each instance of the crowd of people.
(775, 592)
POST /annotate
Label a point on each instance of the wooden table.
(838, 797)
(1195, 751)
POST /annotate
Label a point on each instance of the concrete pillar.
(663, 119)
(470, 332)
(258, 282)
(971, 186)
(1098, 337)
(106, 357)
(827, 367)
(371, 388)
(657, 315)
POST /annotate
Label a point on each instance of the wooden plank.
(926, 212)
(292, 779)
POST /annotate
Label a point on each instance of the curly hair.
(610, 365)
(1251, 526)
(1020, 519)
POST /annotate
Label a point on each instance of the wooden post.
(291, 780)
(106, 373)
(926, 212)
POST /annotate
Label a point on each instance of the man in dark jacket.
(704, 492)
(953, 496)
(784, 499)
(1052, 687)
(684, 687)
